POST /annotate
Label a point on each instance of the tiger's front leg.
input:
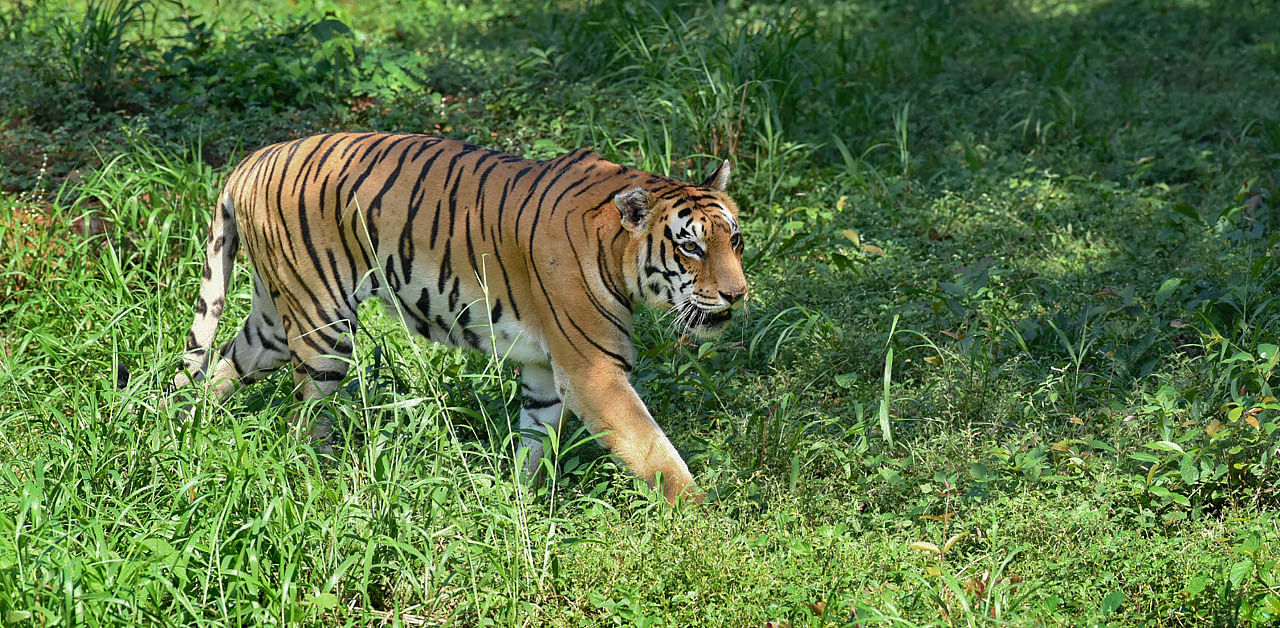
(603, 398)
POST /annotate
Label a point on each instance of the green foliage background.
(1010, 356)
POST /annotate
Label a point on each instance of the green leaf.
(1240, 571)
(885, 428)
(1185, 209)
(950, 287)
(1112, 602)
(1167, 289)
(328, 28)
(1198, 583)
(1164, 445)
(846, 380)
(1177, 498)
(324, 601)
(1142, 456)
(1189, 471)
(15, 616)
(159, 546)
(800, 547)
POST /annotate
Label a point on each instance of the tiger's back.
(431, 221)
(536, 261)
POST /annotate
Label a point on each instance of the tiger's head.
(685, 252)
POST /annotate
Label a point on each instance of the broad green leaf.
(1167, 289)
(1198, 584)
(846, 380)
(161, 547)
(800, 547)
(1240, 571)
(1164, 445)
(1185, 209)
(1112, 602)
(1142, 456)
(1189, 471)
(1165, 493)
(1270, 353)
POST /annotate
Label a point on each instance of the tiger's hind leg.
(321, 353)
(543, 412)
(258, 349)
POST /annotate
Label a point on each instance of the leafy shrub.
(1220, 438)
(289, 64)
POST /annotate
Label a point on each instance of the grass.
(1010, 357)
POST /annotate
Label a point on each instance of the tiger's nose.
(734, 295)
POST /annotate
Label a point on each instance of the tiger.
(541, 262)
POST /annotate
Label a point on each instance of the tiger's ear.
(634, 204)
(719, 180)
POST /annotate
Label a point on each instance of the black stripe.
(304, 226)
(320, 375)
(435, 220)
(612, 317)
(537, 211)
(529, 403)
(502, 204)
(480, 186)
(514, 182)
(506, 280)
(408, 243)
(308, 162)
(424, 303)
(446, 267)
(607, 275)
(471, 252)
(355, 141)
(453, 295)
(469, 335)
(453, 195)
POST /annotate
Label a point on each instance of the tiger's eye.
(691, 248)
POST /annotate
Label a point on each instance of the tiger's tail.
(220, 256)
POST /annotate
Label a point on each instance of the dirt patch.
(35, 242)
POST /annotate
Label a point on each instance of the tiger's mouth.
(706, 323)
